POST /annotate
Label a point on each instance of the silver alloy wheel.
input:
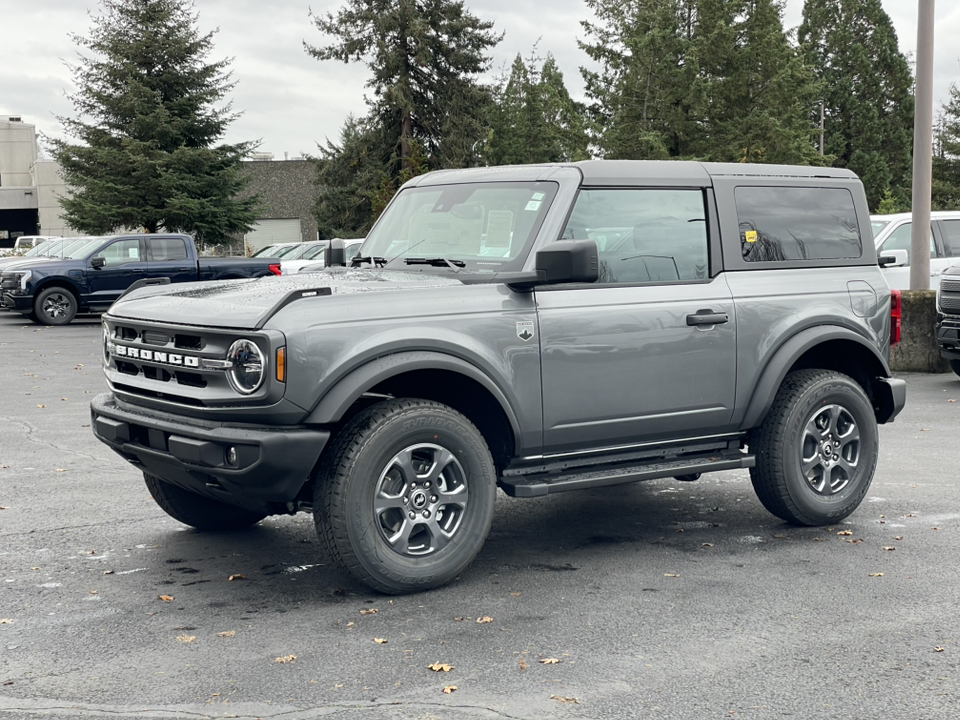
(830, 449)
(420, 499)
(57, 305)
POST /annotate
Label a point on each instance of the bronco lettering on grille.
(158, 357)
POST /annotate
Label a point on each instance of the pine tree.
(867, 91)
(758, 95)
(534, 119)
(146, 155)
(946, 161)
(645, 87)
(425, 57)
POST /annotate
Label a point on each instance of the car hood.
(248, 304)
(15, 263)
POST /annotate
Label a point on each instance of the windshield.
(314, 252)
(878, 225)
(51, 248)
(289, 252)
(487, 226)
(38, 249)
(268, 251)
(83, 248)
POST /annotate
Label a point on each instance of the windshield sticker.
(534, 205)
(525, 330)
(750, 236)
(537, 196)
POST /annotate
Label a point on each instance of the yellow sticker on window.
(750, 236)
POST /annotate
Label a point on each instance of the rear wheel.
(816, 450)
(54, 306)
(196, 510)
(404, 498)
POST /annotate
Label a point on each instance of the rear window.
(779, 224)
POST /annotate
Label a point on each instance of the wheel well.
(463, 394)
(846, 356)
(60, 284)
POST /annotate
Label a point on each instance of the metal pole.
(922, 150)
(821, 127)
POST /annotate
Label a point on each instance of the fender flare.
(336, 401)
(788, 354)
(63, 281)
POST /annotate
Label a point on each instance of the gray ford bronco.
(533, 328)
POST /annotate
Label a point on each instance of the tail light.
(896, 317)
(274, 268)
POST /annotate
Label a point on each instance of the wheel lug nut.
(412, 515)
(412, 485)
(406, 500)
(433, 498)
(426, 513)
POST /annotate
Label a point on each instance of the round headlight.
(249, 367)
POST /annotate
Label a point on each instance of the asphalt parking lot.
(653, 600)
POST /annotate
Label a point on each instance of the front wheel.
(198, 511)
(404, 498)
(816, 449)
(54, 306)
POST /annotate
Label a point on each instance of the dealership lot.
(658, 599)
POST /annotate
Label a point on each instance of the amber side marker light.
(281, 364)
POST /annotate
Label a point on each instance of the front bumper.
(948, 336)
(267, 470)
(17, 303)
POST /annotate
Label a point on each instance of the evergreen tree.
(534, 119)
(424, 56)
(756, 96)
(946, 161)
(146, 155)
(642, 93)
(867, 93)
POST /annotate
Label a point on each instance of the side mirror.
(334, 253)
(568, 261)
(97, 262)
(893, 258)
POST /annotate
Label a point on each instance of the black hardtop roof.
(632, 172)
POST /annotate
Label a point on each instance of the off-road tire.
(371, 461)
(54, 306)
(955, 366)
(790, 447)
(198, 511)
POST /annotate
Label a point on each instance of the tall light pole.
(922, 150)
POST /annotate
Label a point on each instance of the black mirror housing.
(97, 262)
(334, 254)
(568, 261)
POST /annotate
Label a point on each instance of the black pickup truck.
(54, 291)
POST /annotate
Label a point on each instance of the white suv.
(892, 235)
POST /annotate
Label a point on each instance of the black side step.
(545, 484)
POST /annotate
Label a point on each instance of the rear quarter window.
(783, 224)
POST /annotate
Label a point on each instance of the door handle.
(707, 317)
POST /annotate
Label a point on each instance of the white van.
(892, 235)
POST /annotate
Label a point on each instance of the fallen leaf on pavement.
(238, 576)
(369, 611)
(440, 667)
(94, 592)
(285, 659)
(523, 664)
(61, 470)
(166, 598)
(938, 649)
(380, 641)
(108, 572)
(6, 621)
(549, 661)
(671, 574)
(484, 620)
(889, 547)
(845, 532)
(227, 633)
(186, 638)
(565, 700)
(41, 406)
(459, 619)
(876, 574)
(449, 689)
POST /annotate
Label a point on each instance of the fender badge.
(525, 330)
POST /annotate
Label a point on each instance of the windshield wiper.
(436, 262)
(373, 260)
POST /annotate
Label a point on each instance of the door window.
(951, 237)
(643, 235)
(166, 249)
(900, 239)
(122, 251)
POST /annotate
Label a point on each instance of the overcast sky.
(291, 101)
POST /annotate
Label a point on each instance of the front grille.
(180, 365)
(950, 303)
(950, 286)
